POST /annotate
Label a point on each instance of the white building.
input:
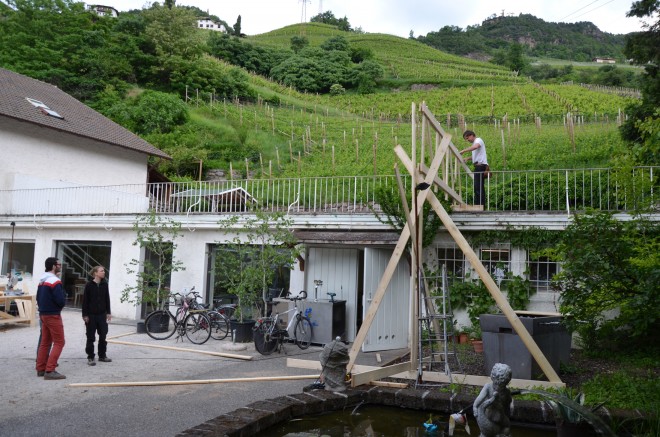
(73, 183)
(208, 24)
(104, 10)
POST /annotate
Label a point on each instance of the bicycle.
(268, 335)
(193, 323)
(219, 320)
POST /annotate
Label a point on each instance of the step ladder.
(437, 339)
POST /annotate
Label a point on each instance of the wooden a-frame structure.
(444, 174)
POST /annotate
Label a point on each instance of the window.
(215, 275)
(454, 260)
(541, 271)
(18, 259)
(78, 258)
(497, 260)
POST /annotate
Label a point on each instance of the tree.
(644, 49)
(237, 27)
(262, 245)
(156, 236)
(299, 42)
(608, 283)
(515, 58)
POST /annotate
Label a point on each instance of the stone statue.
(334, 359)
(492, 407)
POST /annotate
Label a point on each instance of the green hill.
(580, 42)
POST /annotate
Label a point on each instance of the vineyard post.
(290, 152)
(333, 159)
(299, 165)
(357, 151)
(231, 172)
(344, 137)
(291, 130)
(256, 127)
(261, 164)
(503, 149)
(247, 169)
(272, 121)
(270, 169)
(277, 155)
(224, 105)
(240, 108)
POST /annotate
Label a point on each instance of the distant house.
(207, 23)
(108, 11)
(604, 60)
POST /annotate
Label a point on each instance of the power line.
(596, 1)
(595, 8)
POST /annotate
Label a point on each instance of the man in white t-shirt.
(478, 157)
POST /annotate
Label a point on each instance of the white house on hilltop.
(104, 10)
(208, 24)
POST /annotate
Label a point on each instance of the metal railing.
(534, 190)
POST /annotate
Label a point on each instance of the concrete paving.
(32, 406)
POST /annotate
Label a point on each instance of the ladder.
(437, 339)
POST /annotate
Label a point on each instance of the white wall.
(45, 156)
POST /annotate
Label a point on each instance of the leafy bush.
(609, 280)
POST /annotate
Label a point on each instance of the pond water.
(378, 421)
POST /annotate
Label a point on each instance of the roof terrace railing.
(534, 190)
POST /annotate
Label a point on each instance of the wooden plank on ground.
(193, 381)
(182, 349)
(378, 373)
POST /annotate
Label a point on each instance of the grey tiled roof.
(78, 119)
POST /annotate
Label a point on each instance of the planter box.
(241, 331)
(503, 345)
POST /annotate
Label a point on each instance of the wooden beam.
(388, 384)
(391, 266)
(436, 125)
(120, 335)
(193, 381)
(379, 373)
(181, 349)
(500, 299)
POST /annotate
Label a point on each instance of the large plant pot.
(242, 331)
(478, 346)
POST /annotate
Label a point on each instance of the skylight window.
(43, 108)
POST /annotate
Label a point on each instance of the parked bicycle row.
(198, 322)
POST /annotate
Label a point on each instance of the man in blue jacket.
(51, 299)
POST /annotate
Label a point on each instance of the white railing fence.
(538, 190)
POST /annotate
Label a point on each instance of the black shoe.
(54, 375)
(91, 362)
(41, 372)
(105, 360)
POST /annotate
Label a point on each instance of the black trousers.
(479, 180)
(97, 323)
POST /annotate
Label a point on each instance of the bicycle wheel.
(264, 342)
(160, 325)
(303, 332)
(219, 325)
(198, 328)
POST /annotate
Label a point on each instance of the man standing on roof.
(478, 149)
(51, 299)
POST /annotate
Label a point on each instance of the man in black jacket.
(96, 314)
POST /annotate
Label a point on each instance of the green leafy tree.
(156, 236)
(154, 111)
(515, 58)
(173, 32)
(261, 245)
(609, 278)
(328, 17)
(299, 42)
(643, 49)
(237, 27)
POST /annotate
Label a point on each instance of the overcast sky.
(399, 17)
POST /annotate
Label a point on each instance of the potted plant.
(573, 418)
(261, 244)
(474, 334)
(156, 236)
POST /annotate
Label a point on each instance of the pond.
(378, 421)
